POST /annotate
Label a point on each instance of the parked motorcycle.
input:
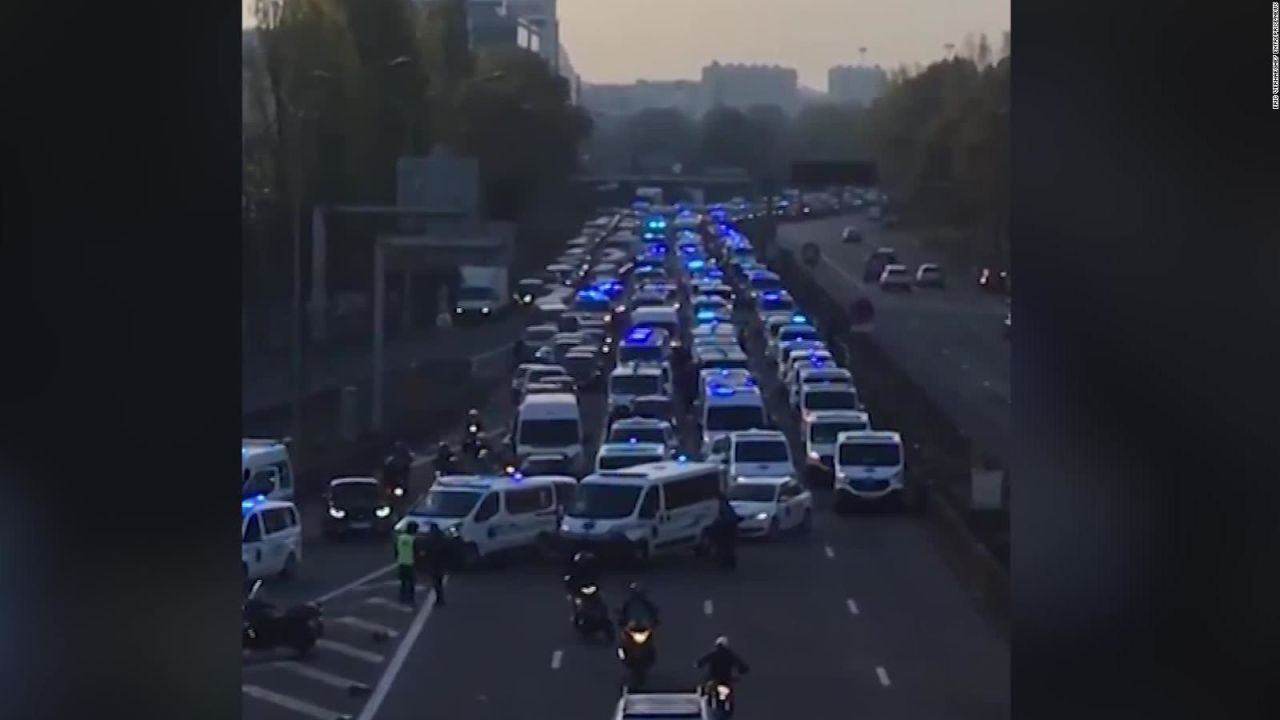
(264, 628)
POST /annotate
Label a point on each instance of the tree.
(444, 42)
(663, 133)
(726, 137)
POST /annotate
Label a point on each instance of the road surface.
(949, 341)
(859, 619)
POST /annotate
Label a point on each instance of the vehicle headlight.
(383, 511)
(452, 531)
(337, 513)
(739, 478)
(457, 311)
(398, 492)
(564, 526)
(813, 455)
(484, 311)
(762, 516)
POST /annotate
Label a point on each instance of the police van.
(549, 423)
(759, 453)
(646, 510)
(644, 344)
(727, 409)
(488, 514)
(869, 466)
(667, 318)
(644, 430)
(622, 455)
(628, 382)
(270, 538)
(820, 431)
(719, 357)
(265, 469)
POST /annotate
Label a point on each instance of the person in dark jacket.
(446, 463)
(721, 663)
(433, 552)
(637, 607)
(583, 571)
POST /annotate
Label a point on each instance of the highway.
(859, 619)
(949, 340)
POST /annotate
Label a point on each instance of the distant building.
(683, 95)
(741, 86)
(856, 84)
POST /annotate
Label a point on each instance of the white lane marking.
(556, 657)
(350, 650)
(356, 622)
(387, 603)
(397, 661)
(354, 584)
(831, 553)
(707, 608)
(853, 606)
(290, 703)
(884, 676)
(318, 675)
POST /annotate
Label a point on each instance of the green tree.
(662, 132)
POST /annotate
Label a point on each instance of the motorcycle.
(473, 442)
(637, 653)
(590, 616)
(265, 629)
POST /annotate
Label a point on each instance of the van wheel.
(290, 569)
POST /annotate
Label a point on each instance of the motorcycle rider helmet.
(582, 557)
(473, 415)
(443, 449)
(635, 589)
(722, 642)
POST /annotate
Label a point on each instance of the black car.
(851, 234)
(357, 505)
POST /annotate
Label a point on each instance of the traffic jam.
(668, 397)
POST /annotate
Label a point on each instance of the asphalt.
(950, 341)
(861, 618)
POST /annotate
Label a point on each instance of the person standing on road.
(406, 545)
(726, 533)
(435, 552)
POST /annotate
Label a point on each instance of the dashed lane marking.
(556, 657)
(350, 651)
(373, 627)
(853, 606)
(397, 661)
(321, 676)
(707, 607)
(354, 584)
(387, 603)
(883, 675)
(291, 703)
(831, 553)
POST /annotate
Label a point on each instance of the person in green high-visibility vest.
(406, 555)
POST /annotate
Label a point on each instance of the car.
(357, 504)
(851, 234)
(876, 264)
(929, 275)
(895, 277)
(869, 467)
(270, 538)
(527, 290)
(993, 281)
(769, 506)
(820, 432)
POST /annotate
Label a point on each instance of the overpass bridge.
(620, 189)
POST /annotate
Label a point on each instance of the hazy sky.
(624, 40)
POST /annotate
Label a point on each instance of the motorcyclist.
(638, 607)
(446, 463)
(474, 426)
(397, 466)
(721, 663)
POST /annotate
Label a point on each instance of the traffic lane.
(957, 359)
(330, 564)
(943, 657)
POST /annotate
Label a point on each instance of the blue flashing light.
(249, 503)
(798, 318)
(682, 458)
(721, 390)
(770, 295)
(706, 314)
(696, 264)
(640, 334)
(631, 440)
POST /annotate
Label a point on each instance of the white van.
(646, 510)
(869, 466)
(549, 423)
(270, 538)
(628, 382)
(488, 515)
(622, 455)
(820, 432)
(727, 409)
(827, 397)
(667, 318)
(265, 469)
(759, 453)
